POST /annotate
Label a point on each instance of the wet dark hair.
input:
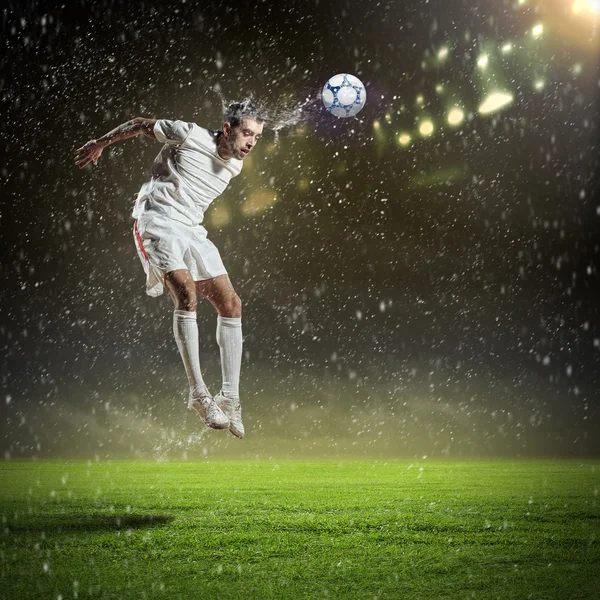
(236, 112)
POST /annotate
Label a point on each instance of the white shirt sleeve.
(172, 132)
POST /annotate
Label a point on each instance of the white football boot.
(209, 412)
(232, 408)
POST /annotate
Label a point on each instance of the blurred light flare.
(580, 7)
(537, 30)
(456, 116)
(494, 102)
(220, 215)
(577, 21)
(258, 202)
(303, 185)
(426, 128)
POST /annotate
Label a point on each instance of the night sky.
(433, 298)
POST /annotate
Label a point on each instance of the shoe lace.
(237, 411)
(232, 406)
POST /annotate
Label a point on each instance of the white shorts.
(165, 245)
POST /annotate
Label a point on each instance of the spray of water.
(170, 443)
(283, 115)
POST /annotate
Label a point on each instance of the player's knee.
(182, 289)
(187, 304)
(232, 306)
(186, 298)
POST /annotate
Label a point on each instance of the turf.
(300, 529)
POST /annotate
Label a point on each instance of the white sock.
(229, 338)
(185, 330)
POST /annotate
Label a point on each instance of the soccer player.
(194, 166)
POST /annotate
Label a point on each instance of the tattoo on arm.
(147, 127)
(129, 129)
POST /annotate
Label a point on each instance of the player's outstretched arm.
(91, 151)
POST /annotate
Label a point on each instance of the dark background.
(438, 299)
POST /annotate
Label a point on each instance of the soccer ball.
(344, 95)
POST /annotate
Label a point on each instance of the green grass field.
(300, 529)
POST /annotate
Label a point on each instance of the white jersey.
(187, 175)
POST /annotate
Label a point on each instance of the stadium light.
(586, 6)
(404, 139)
(482, 61)
(426, 128)
(537, 31)
(494, 102)
(455, 116)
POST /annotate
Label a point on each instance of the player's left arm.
(91, 151)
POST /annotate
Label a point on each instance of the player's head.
(242, 128)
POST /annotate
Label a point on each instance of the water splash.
(289, 116)
(170, 442)
(278, 117)
(151, 438)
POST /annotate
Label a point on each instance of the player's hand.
(88, 153)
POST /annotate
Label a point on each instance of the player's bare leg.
(185, 329)
(222, 296)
